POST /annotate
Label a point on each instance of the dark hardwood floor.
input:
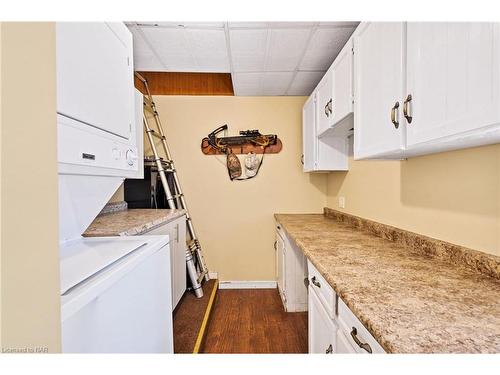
(253, 321)
(188, 317)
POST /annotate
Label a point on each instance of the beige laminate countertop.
(410, 302)
(130, 222)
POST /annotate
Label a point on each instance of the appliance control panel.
(81, 147)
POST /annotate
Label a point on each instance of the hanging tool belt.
(226, 145)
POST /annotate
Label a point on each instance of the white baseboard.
(247, 284)
(213, 275)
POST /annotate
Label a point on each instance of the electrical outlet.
(341, 202)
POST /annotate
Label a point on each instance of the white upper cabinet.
(452, 80)
(324, 93)
(342, 79)
(422, 88)
(379, 87)
(309, 134)
(95, 75)
(335, 95)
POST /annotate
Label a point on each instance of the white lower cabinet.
(333, 328)
(321, 327)
(291, 271)
(176, 229)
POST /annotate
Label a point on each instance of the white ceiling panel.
(324, 46)
(286, 49)
(247, 84)
(276, 83)
(144, 57)
(189, 50)
(248, 25)
(248, 49)
(180, 24)
(172, 47)
(304, 83)
(209, 50)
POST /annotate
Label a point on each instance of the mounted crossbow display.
(249, 142)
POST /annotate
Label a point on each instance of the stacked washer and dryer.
(115, 291)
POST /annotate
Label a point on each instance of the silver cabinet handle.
(302, 159)
(330, 106)
(406, 109)
(395, 115)
(315, 282)
(362, 345)
(275, 245)
(327, 113)
(329, 350)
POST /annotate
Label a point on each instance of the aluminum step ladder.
(196, 267)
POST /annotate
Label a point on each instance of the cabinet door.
(343, 345)
(95, 75)
(321, 328)
(342, 84)
(179, 260)
(324, 93)
(452, 77)
(280, 262)
(378, 72)
(309, 133)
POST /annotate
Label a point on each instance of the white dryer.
(115, 291)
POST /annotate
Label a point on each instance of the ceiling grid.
(263, 58)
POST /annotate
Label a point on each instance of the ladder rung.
(148, 102)
(155, 134)
(201, 276)
(149, 109)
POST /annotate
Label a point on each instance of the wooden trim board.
(179, 83)
(203, 327)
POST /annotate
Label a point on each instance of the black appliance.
(149, 192)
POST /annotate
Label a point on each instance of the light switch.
(341, 202)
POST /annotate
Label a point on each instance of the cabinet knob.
(395, 115)
(330, 106)
(329, 350)
(315, 282)
(362, 345)
(327, 112)
(406, 109)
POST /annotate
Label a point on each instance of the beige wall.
(452, 196)
(30, 309)
(235, 219)
(118, 195)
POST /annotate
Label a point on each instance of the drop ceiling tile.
(172, 47)
(248, 49)
(339, 24)
(304, 83)
(324, 46)
(248, 25)
(144, 58)
(182, 24)
(209, 50)
(285, 24)
(276, 83)
(286, 48)
(247, 84)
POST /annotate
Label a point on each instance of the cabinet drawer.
(324, 291)
(353, 329)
